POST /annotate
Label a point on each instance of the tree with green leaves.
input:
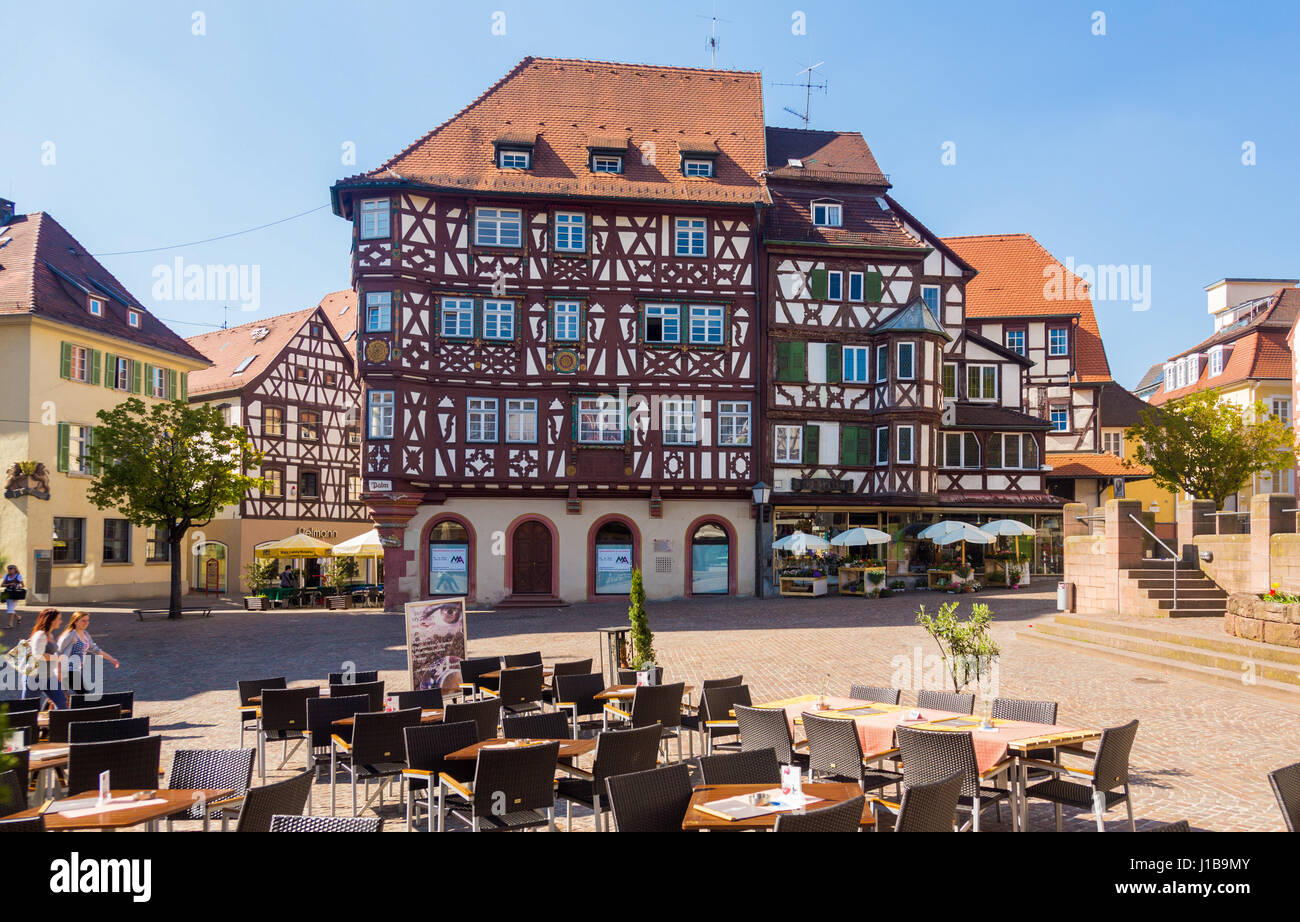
(1208, 447)
(172, 465)
(967, 647)
(643, 639)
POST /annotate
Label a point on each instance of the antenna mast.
(712, 42)
(808, 86)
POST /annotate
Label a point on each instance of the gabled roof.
(1279, 313)
(571, 104)
(1086, 464)
(834, 156)
(1259, 355)
(45, 272)
(1011, 283)
(1152, 378)
(263, 341)
(1000, 350)
(1119, 408)
(914, 318)
(992, 416)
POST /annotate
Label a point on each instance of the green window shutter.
(171, 384)
(478, 318)
(783, 361)
(185, 385)
(148, 379)
(65, 361)
(799, 361)
(90, 440)
(817, 284)
(810, 439)
(834, 363)
(875, 287)
(135, 376)
(63, 448)
(849, 445)
(110, 370)
(95, 357)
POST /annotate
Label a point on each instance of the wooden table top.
(617, 692)
(39, 761)
(427, 716)
(174, 801)
(43, 718)
(569, 749)
(547, 672)
(830, 792)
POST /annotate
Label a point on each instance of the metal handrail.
(1172, 555)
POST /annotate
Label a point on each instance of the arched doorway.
(614, 551)
(450, 558)
(531, 559)
(712, 570)
(209, 570)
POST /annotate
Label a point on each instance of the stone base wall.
(1095, 586)
(1251, 618)
(1284, 554)
(1230, 567)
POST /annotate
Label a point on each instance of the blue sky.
(1117, 149)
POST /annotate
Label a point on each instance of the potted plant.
(641, 637)
(259, 575)
(967, 648)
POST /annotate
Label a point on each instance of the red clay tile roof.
(1092, 464)
(264, 340)
(863, 221)
(1279, 313)
(567, 103)
(838, 156)
(1258, 355)
(1011, 283)
(45, 272)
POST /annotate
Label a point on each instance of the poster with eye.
(435, 643)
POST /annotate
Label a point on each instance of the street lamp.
(762, 496)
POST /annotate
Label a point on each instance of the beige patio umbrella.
(295, 546)
(366, 545)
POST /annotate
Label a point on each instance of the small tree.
(259, 574)
(967, 648)
(1210, 448)
(172, 465)
(643, 639)
(340, 570)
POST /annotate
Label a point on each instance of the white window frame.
(600, 410)
(122, 374)
(1180, 374)
(381, 414)
(498, 320)
(480, 412)
(1052, 343)
(607, 163)
(1170, 375)
(492, 224)
(997, 381)
(133, 319)
(831, 214)
(793, 453)
(900, 456)
(521, 421)
(374, 219)
(708, 323)
(1113, 438)
(882, 368)
(1216, 361)
(898, 360)
(96, 307)
(458, 311)
(690, 236)
(379, 311)
(697, 166)
(835, 285)
(734, 423)
(243, 366)
(79, 442)
(506, 154)
(1052, 412)
(668, 315)
(566, 317)
(882, 442)
(1020, 334)
(855, 364)
(157, 383)
(965, 463)
(937, 291)
(79, 364)
(680, 420)
(570, 232)
(1280, 408)
(858, 284)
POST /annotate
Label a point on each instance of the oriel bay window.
(498, 227)
(1012, 451)
(981, 382)
(521, 420)
(481, 419)
(381, 410)
(961, 449)
(601, 420)
(904, 452)
(663, 323)
(707, 322)
(457, 318)
(679, 422)
(733, 422)
(906, 367)
(882, 363)
(374, 219)
(882, 445)
(379, 311)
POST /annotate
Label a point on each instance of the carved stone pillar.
(392, 512)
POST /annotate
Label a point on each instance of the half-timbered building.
(291, 382)
(558, 336)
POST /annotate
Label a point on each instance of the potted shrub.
(967, 648)
(642, 639)
(259, 575)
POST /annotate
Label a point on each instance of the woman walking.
(76, 648)
(13, 589)
(45, 682)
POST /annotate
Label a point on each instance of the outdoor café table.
(158, 805)
(827, 793)
(43, 760)
(569, 749)
(427, 716)
(547, 672)
(627, 692)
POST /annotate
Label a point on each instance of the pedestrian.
(286, 576)
(14, 591)
(44, 683)
(76, 646)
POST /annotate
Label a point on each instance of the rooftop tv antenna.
(712, 42)
(808, 86)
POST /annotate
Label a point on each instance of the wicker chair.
(650, 801)
(471, 675)
(520, 690)
(26, 721)
(19, 705)
(1036, 712)
(321, 714)
(766, 728)
(842, 817)
(726, 682)
(1180, 826)
(713, 718)
(353, 678)
(653, 704)
(546, 725)
(758, 766)
(428, 698)
(571, 668)
(13, 784)
(1286, 788)
(934, 755)
(325, 823)
(835, 754)
(881, 694)
(252, 688)
(35, 824)
(485, 714)
(211, 769)
(132, 764)
(930, 807)
(427, 748)
(62, 717)
(103, 731)
(514, 660)
(576, 694)
(124, 700)
(284, 718)
(377, 752)
(618, 752)
(521, 779)
(945, 701)
(1099, 790)
(374, 692)
(288, 797)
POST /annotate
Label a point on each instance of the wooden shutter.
(65, 361)
(171, 384)
(63, 447)
(817, 284)
(849, 445)
(110, 370)
(135, 376)
(90, 440)
(875, 287)
(811, 434)
(834, 363)
(148, 379)
(185, 385)
(791, 361)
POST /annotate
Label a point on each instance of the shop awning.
(293, 546)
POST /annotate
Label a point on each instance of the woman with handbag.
(14, 591)
(76, 646)
(45, 681)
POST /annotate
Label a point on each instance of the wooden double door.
(531, 560)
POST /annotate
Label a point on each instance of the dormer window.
(607, 163)
(133, 319)
(515, 159)
(827, 214)
(694, 167)
(97, 307)
(1216, 361)
(374, 219)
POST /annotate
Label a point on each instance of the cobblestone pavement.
(1202, 751)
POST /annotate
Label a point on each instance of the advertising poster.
(435, 643)
(449, 569)
(614, 568)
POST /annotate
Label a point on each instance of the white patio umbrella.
(949, 531)
(860, 535)
(366, 545)
(801, 543)
(1010, 528)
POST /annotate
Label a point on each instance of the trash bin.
(1065, 596)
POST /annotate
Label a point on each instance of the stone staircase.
(1195, 650)
(1149, 591)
